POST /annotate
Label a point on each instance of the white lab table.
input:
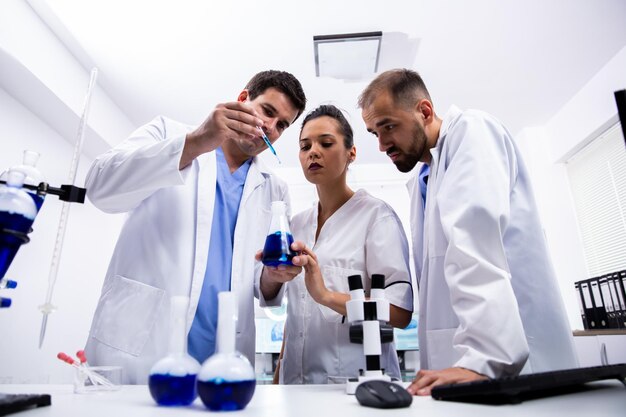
(607, 398)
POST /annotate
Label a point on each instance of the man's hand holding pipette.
(228, 121)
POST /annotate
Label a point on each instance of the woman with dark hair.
(345, 233)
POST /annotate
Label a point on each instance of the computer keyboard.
(12, 403)
(512, 390)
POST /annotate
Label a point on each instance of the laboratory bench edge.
(606, 398)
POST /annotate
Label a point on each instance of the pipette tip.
(42, 332)
(268, 143)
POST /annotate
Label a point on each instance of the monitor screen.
(406, 339)
(269, 335)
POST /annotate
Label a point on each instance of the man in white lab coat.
(198, 203)
(489, 300)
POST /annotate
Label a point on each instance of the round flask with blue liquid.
(172, 380)
(226, 381)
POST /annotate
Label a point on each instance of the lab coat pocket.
(126, 315)
(336, 279)
(441, 350)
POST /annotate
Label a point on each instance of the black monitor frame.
(620, 100)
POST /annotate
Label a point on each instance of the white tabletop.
(608, 398)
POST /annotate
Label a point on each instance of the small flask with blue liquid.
(172, 379)
(277, 250)
(226, 381)
(17, 213)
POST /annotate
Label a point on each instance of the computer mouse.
(382, 394)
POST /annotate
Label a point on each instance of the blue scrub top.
(229, 189)
(423, 181)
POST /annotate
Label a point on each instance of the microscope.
(369, 327)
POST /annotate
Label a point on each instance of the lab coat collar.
(261, 166)
(257, 175)
(452, 114)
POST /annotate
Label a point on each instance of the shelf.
(601, 332)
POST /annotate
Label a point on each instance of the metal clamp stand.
(369, 327)
(69, 193)
(12, 239)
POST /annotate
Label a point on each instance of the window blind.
(597, 176)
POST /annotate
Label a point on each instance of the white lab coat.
(364, 237)
(163, 247)
(489, 299)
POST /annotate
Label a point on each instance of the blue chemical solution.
(173, 390)
(37, 199)
(9, 243)
(220, 395)
(277, 249)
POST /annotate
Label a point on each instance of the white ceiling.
(520, 60)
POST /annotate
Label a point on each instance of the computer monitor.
(406, 339)
(269, 335)
(620, 100)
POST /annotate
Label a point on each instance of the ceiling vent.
(350, 56)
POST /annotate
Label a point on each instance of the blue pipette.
(269, 144)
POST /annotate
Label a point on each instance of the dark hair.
(405, 86)
(333, 112)
(283, 81)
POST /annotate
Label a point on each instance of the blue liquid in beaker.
(277, 249)
(173, 390)
(9, 243)
(220, 395)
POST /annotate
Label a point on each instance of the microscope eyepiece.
(355, 283)
(378, 281)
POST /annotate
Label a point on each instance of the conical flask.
(17, 213)
(173, 379)
(277, 250)
(226, 381)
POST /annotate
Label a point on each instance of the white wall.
(546, 148)
(42, 91)
(90, 237)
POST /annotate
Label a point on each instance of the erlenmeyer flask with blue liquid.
(277, 250)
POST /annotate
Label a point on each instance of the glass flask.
(173, 379)
(32, 175)
(226, 381)
(17, 213)
(277, 250)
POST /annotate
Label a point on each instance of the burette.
(46, 308)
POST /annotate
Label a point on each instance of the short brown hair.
(283, 81)
(405, 86)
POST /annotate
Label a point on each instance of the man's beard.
(407, 160)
